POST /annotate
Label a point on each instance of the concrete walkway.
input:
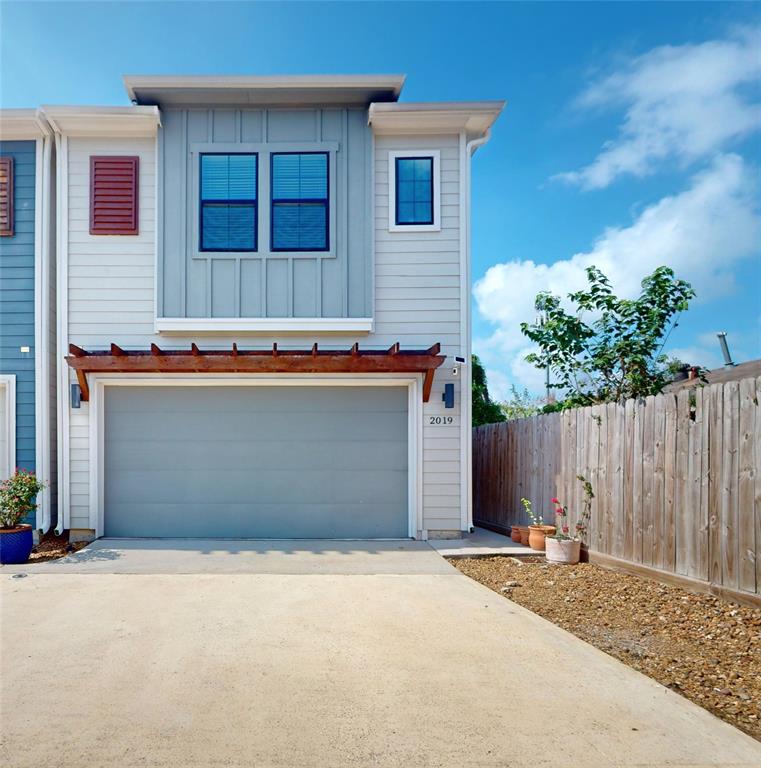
(227, 556)
(407, 663)
(482, 543)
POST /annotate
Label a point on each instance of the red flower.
(565, 529)
(554, 501)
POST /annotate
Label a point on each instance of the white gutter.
(466, 431)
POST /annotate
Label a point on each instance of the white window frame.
(8, 391)
(435, 154)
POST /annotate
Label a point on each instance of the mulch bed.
(53, 546)
(705, 648)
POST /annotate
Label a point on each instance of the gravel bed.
(53, 546)
(705, 648)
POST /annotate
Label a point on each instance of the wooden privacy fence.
(677, 479)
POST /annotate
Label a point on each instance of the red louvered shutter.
(113, 195)
(6, 196)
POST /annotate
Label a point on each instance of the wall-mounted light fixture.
(76, 396)
(448, 396)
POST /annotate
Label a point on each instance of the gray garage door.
(261, 462)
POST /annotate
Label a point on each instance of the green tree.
(616, 352)
(485, 410)
(521, 405)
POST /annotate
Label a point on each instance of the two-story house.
(27, 303)
(264, 313)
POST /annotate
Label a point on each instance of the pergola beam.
(314, 360)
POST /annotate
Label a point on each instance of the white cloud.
(702, 233)
(684, 102)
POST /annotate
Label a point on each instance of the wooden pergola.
(314, 360)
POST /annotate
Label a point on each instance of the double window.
(299, 202)
(228, 202)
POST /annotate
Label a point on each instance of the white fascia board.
(20, 124)
(434, 117)
(104, 121)
(269, 325)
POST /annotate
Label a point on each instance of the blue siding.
(17, 297)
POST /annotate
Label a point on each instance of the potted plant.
(515, 533)
(17, 500)
(561, 546)
(538, 530)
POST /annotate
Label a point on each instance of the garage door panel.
(310, 521)
(303, 462)
(262, 486)
(315, 427)
(221, 455)
(237, 399)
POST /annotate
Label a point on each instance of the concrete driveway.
(315, 654)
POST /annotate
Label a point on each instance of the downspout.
(46, 266)
(466, 479)
(62, 383)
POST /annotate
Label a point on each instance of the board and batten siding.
(417, 302)
(17, 255)
(265, 283)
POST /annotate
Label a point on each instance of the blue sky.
(652, 111)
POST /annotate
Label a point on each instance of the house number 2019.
(441, 419)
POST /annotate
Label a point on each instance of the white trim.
(414, 431)
(473, 117)
(103, 121)
(21, 124)
(263, 325)
(392, 225)
(465, 386)
(158, 212)
(467, 150)
(62, 329)
(8, 383)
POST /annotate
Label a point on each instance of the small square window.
(414, 190)
(228, 202)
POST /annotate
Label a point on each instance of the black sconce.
(448, 396)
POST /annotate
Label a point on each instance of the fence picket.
(746, 487)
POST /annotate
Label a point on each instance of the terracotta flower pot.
(536, 536)
(515, 533)
(524, 535)
(565, 551)
(549, 529)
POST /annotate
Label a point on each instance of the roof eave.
(183, 89)
(475, 117)
(21, 124)
(134, 121)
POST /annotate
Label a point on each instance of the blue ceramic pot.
(16, 544)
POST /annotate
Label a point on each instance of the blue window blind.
(414, 190)
(228, 202)
(299, 201)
